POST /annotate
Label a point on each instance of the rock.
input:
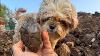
(30, 34)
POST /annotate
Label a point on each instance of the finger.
(45, 38)
(17, 48)
(20, 44)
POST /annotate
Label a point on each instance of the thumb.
(17, 48)
(45, 39)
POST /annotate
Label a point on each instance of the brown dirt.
(87, 35)
(6, 43)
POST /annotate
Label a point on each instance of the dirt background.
(87, 37)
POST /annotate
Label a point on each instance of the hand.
(46, 49)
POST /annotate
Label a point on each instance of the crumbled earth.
(6, 43)
(86, 37)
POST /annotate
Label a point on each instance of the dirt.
(86, 37)
(6, 43)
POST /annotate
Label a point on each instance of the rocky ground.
(6, 43)
(86, 36)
